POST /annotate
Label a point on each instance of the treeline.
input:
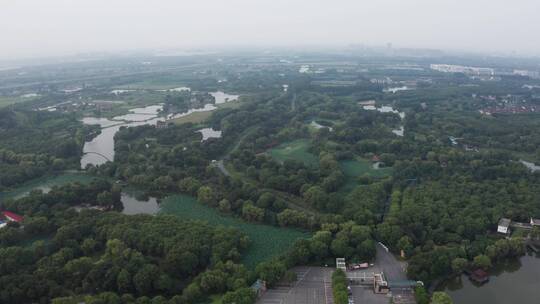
(34, 143)
(97, 253)
(440, 216)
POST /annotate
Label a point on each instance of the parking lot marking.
(329, 299)
(272, 301)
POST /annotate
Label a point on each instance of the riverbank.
(513, 281)
(45, 183)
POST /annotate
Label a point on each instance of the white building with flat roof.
(504, 226)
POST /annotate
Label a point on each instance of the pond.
(118, 92)
(222, 97)
(396, 89)
(516, 281)
(137, 205)
(388, 109)
(265, 241)
(132, 202)
(209, 133)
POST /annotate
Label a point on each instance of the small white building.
(504, 226)
(340, 264)
(535, 222)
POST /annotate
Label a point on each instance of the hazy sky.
(56, 27)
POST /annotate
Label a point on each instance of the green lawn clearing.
(266, 241)
(354, 168)
(295, 150)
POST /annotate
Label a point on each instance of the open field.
(295, 150)
(266, 241)
(199, 117)
(360, 166)
(352, 169)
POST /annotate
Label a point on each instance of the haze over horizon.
(33, 28)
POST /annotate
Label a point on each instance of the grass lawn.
(296, 150)
(266, 241)
(199, 117)
(359, 167)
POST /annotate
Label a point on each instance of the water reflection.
(209, 133)
(388, 109)
(101, 148)
(222, 97)
(515, 281)
(396, 89)
(139, 204)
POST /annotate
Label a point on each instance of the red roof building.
(479, 276)
(12, 216)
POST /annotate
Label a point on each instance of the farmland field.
(266, 241)
(296, 150)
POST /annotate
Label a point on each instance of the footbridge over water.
(99, 154)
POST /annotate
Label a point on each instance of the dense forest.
(424, 171)
(35, 143)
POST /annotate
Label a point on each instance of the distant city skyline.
(42, 28)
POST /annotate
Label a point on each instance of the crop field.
(352, 169)
(296, 150)
(266, 241)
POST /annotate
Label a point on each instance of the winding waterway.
(100, 149)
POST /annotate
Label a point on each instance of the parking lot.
(365, 295)
(313, 286)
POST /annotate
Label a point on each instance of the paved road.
(314, 286)
(365, 295)
(221, 166)
(393, 269)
